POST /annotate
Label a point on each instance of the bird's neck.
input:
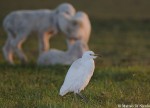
(88, 62)
(87, 59)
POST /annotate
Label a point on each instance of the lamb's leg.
(16, 44)
(7, 50)
(44, 42)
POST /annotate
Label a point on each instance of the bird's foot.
(83, 97)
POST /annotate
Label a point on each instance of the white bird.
(79, 74)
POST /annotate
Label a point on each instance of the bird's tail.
(63, 91)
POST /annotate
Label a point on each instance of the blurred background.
(120, 29)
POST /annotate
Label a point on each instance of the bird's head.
(90, 55)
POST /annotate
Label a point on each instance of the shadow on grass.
(57, 69)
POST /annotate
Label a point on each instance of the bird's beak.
(97, 55)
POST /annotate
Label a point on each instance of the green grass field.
(120, 32)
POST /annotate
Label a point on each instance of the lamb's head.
(66, 8)
(78, 48)
(75, 28)
(80, 27)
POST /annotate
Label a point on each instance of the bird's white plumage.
(79, 74)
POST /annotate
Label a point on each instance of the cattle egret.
(79, 74)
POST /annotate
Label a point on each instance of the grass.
(122, 76)
(32, 86)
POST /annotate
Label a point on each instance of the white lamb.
(77, 27)
(20, 24)
(54, 56)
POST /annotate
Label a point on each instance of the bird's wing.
(73, 70)
(72, 75)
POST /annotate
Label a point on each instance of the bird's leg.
(83, 97)
(75, 97)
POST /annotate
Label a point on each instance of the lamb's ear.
(76, 23)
